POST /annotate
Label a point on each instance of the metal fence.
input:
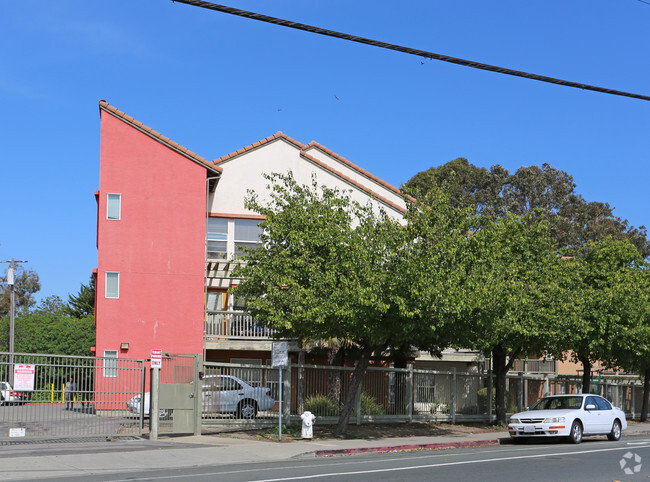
(57, 396)
(405, 394)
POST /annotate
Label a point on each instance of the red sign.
(24, 377)
(156, 358)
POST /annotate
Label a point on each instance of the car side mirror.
(591, 406)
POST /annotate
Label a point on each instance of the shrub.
(321, 406)
(369, 405)
(481, 397)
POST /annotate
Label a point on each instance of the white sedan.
(572, 416)
(221, 394)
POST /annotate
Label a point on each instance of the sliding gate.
(57, 396)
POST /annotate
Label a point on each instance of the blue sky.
(215, 83)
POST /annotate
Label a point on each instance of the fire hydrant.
(308, 425)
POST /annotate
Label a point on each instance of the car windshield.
(558, 403)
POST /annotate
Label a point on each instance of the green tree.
(82, 304)
(513, 293)
(47, 329)
(596, 305)
(26, 285)
(331, 268)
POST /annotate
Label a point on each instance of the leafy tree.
(331, 268)
(597, 307)
(631, 344)
(49, 330)
(83, 303)
(26, 285)
(544, 192)
(513, 295)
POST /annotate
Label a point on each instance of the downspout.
(205, 258)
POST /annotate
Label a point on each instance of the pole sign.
(156, 358)
(280, 354)
(24, 377)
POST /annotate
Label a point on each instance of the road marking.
(445, 464)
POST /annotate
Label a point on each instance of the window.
(112, 285)
(247, 234)
(217, 238)
(114, 207)
(110, 363)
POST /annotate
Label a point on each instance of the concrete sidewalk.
(43, 460)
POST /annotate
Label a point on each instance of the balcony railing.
(234, 325)
(535, 366)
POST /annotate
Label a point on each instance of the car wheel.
(615, 434)
(247, 409)
(575, 437)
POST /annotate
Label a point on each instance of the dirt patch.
(374, 431)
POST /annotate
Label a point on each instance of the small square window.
(112, 285)
(114, 207)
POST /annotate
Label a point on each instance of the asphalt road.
(592, 460)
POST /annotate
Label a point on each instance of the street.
(595, 459)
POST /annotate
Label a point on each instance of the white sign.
(156, 358)
(280, 354)
(24, 377)
(16, 432)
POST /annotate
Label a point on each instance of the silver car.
(221, 394)
(571, 416)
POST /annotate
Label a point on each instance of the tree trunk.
(586, 373)
(646, 393)
(355, 383)
(335, 357)
(500, 371)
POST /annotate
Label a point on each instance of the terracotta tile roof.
(363, 172)
(255, 145)
(106, 107)
(352, 181)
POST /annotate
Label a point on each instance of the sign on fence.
(24, 377)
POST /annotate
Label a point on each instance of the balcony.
(234, 325)
(535, 366)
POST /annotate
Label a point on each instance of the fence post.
(409, 389)
(632, 404)
(198, 393)
(490, 387)
(286, 396)
(357, 404)
(520, 398)
(453, 395)
(153, 404)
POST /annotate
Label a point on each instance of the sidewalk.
(41, 460)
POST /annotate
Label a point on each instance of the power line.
(408, 50)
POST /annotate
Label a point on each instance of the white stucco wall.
(245, 172)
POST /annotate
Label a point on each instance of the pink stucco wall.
(157, 246)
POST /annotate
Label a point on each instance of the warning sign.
(24, 377)
(156, 358)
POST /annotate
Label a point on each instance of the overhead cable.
(408, 50)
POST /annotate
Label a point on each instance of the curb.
(405, 448)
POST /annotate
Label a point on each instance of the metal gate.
(58, 396)
(179, 394)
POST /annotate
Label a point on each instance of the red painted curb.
(399, 448)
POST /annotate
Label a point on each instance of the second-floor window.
(114, 207)
(226, 238)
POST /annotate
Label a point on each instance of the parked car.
(571, 416)
(8, 395)
(221, 394)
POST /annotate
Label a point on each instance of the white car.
(571, 416)
(8, 395)
(221, 394)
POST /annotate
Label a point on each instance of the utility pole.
(11, 281)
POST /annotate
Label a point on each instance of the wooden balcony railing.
(535, 366)
(234, 325)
